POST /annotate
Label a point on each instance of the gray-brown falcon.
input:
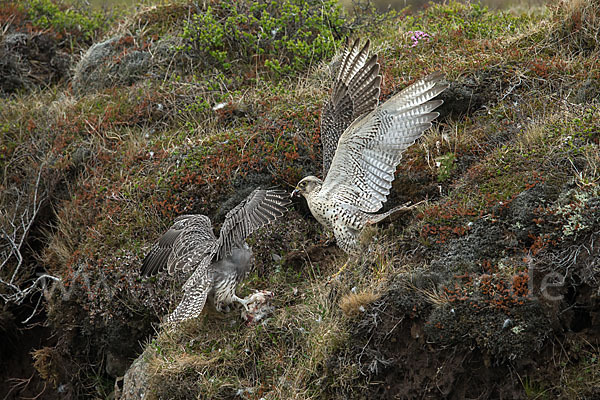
(363, 144)
(218, 265)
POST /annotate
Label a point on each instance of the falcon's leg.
(342, 269)
(329, 239)
(222, 307)
(257, 297)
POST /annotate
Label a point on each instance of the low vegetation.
(488, 289)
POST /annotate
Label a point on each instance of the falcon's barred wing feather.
(182, 246)
(193, 245)
(369, 151)
(157, 258)
(200, 274)
(257, 210)
(355, 92)
(194, 298)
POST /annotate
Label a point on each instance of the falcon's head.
(308, 186)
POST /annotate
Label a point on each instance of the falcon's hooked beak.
(295, 192)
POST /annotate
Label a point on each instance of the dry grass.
(353, 304)
(166, 17)
(581, 15)
(578, 24)
(432, 294)
(224, 357)
(45, 363)
(63, 242)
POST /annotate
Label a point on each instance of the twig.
(13, 235)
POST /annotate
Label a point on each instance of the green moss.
(446, 166)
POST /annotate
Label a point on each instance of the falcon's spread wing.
(369, 151)
(355, 92)
(182, 247)
(257, 210)
(195, 291)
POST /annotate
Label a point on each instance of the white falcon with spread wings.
(363, 144)
(218, 265)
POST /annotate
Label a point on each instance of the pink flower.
(417, 36)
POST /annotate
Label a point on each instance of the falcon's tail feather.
(191, 305)
(376, 218)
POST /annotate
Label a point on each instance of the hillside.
(115, 123)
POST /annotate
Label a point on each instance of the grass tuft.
(353, 304)
(578, 24)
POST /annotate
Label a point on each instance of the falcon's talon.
(243, 302)
(328, 241)
(415, 205)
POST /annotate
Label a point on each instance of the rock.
(587, 91)
(115, 61)
(79, 156)
(470, 93)
(29, 60)
(122, 60)
(135, 380)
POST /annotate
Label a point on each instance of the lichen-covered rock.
(135, 381)
(587, 91)
(29, 60)
(116, 61)
(123, 60)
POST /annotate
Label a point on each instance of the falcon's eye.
(303, 185)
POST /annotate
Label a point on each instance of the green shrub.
(281, 36)
(76, 24)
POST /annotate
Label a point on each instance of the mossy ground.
(487, 289)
